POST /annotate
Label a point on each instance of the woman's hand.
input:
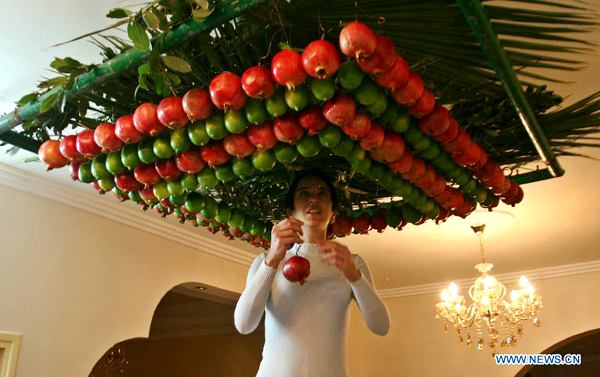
(334, 253)
(283, 236)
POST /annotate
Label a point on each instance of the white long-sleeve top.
(306, 325)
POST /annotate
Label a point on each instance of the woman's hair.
(289, 198)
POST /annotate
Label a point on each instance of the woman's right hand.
(283, 236)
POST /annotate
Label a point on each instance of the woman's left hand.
(334, 253)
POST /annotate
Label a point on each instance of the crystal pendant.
(445, 328)
(493, 343)
(520, 331)
(493, 333)
(480, 345)
(503, 344)
(460, 339)
(536, 322)
(469, 341)
(508, 341)
(513, 341)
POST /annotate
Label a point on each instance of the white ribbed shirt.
(306, 325)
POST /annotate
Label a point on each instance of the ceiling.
(556, 224)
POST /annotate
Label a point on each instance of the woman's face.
(312, 202)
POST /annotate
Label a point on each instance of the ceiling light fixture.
(489, 308)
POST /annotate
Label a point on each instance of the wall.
(73, 283)
(417, 346)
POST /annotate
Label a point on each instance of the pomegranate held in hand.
(296, 269)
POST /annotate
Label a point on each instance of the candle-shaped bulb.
(453, 289)
(513, 295)
(445, 295)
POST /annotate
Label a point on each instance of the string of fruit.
(271, 117)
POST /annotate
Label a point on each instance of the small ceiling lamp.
(502, 319)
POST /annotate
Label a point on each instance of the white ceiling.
(556, 224)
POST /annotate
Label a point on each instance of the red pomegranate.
(147, 193)
(167, 203)
(403, 164)
(358, 127)
(197, 104)
(296, 269)
(86, 145)
(416, 171)
(427, 179)
(262, 136)
(97, 187)
(518, 198)
(495, 178)
(450, 133)
(342, 226)
(424, 105)
(436, 188)
(171, 114)
(444, 195)
(340, 109)
(458, 144)
(455, 200)
(436, 123)
(190, 161)
(74, 169)
(49, 153)
(442, 216)
(167, 169)
(379, 222)
(287, 129)
(146, 174)
(381, 59)
(238, 145)
(410, 92)
(68, 148)
(312, 119)
(214, 153)
(106, 138)
(503, 187)
(226, 92)
(320, 59)
(464, 209)
(236, 232)
(390, 150)
(126, 182)
(361, 224)
(357, 40)
(483, 157)
(287, 69)
(512, 191)
(126, 131)
(373, 139)
(257, 82)
(396, 76)
(145, 120)
(469, 156)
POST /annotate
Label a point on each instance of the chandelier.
(502, 319)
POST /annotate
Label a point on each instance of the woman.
(306, 325)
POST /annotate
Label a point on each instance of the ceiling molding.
(506, 279)
(110, 209)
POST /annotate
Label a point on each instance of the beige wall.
(73, 284)
(417, 346)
